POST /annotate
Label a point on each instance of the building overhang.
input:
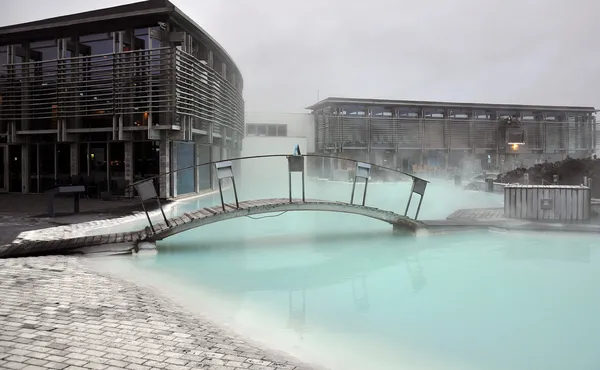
(448, 105)
(134, 15)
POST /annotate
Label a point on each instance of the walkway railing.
(296, 164)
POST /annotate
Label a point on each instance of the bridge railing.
(224, 170)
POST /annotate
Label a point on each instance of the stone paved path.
(54, 314)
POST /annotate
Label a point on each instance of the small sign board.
(546, 204)
(419, 186)
(146, 190)
(224, 170)
(295, 163)
(363, 170)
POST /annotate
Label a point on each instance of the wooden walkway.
(477, 213)
(199, 218)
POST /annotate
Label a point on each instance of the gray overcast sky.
(504, 51)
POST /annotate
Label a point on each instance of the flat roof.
(439, 104)
(117, 15)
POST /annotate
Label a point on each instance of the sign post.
(224, 171)
(146, 190)
(363, 171)
(296, 164)
(418, 187)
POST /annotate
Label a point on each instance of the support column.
(422, 135)
(369, 130)
(74, 154)
(164, 168)
(174, 166)
(196, 163)
(128, 161)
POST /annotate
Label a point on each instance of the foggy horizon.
(291, 54)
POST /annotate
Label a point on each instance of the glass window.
(98, 162)
(117, 161)
(33, 169)
(262, 130)
(145, 159)
(203, 156)
(271, 130)
(99, 44)
(281, 130)
(184, 161)
(14, 168)
(3, 55)
(83, 159)
(47, 49)
(47, 177)
(141, 38)
(251, 130)
(63, 163)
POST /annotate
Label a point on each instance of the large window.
(99, 44)
(3, 54)
(260, 129)
(184, 159)
(203, 156)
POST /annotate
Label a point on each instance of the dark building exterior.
(111, 96)
(402, 133)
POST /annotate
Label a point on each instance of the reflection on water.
(343, 290)
(480, 301)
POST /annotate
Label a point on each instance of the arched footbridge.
(211, 215)
(296, 163)
(225, 211)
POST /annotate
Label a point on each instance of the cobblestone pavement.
(57, 315)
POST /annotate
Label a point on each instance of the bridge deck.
(206, 212)
(198, 218)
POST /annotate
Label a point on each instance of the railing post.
(296, 164)
(146, 190)
(224, 171)
(363, 171)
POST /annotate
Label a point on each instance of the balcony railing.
(161, 80)
(206, 95)
(121, 83)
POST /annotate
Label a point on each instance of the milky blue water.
(342, 291)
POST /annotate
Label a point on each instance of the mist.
(293, 53)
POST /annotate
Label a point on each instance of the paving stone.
(55, 314)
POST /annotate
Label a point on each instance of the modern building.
(291, 125)
(400, 133)
(112, 96)
(275, 133)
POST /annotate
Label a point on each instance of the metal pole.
(418, 208)
(237, 204)
(365, 192)
(221, 193)
(148, 216)
(163, 212)
(408, 205)
(290, 184)
(353, 187)
(303, 194)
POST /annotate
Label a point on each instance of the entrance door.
(3, 169)
(13, 164)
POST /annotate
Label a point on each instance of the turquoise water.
(342, 291)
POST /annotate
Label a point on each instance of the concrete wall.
(300, 125)
(265, 171)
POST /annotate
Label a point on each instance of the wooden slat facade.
(547, 202)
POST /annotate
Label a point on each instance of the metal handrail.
(146, 188)
(274, 156)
